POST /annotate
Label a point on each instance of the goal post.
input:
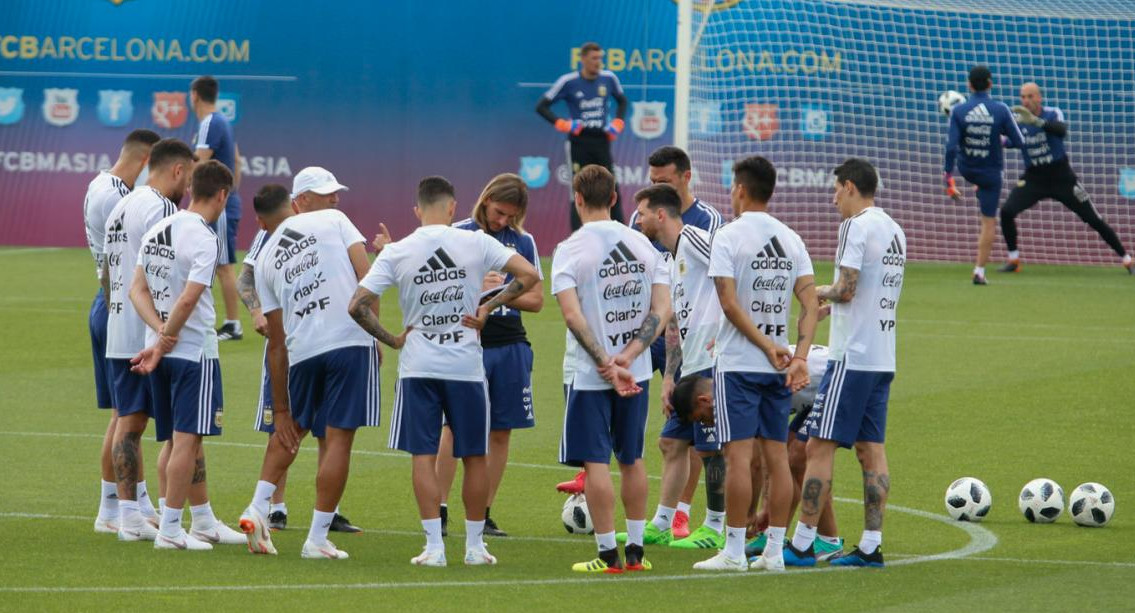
(808, 84)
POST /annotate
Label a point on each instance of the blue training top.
(587, 99)
(504, 326)
(976, 127)
(215, 133)
(1042, 147)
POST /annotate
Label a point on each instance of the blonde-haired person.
(499, 212)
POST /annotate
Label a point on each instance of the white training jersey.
(132, 217)
(305, 272)
(254, 249)
(613, 270)
(179, 250)
(817, 364)
(571, 354)
(863, 330)
(438, 271)
(764, 257)
(103, 192)
(695, 299)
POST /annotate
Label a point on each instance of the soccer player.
(438, 271)
(324, 368)
(851, 404)
(174, 271)
(974, 144)
(586, 93)
(690, 335)
(1049, 175)
(215, 141)
(313, 189)
(499, 212)
(170, 165)
(613, 291)
(103, 192)
(757, 264)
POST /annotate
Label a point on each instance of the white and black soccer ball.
(948, 100)
(577, 519)
(968, 499)
(1091, 505)
(1041, 501)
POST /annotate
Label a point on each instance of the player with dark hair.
(438, 271)
(507, 354)
(974, 144)
(851, 403)
(613, 290)
(758, 264)
(1049, 175)
(103, 192)
(170, 292)
(215, 141)
(590, 133)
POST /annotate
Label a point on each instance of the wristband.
(796, 357)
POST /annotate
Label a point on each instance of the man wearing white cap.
(313, 189)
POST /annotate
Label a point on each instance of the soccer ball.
(1091, 504)
(1041, 501)
(948, 100)
(967, 499)
(577, 520)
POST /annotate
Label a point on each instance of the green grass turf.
(1030, 376)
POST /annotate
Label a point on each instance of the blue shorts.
(226, 228)
(658, 355)
(187, 397)
(750, 405)
(131, 392)
(988, 190)
(338, 388)
(702, 436)
(799, 424)
(264, 415)
(599, 422)
(420, 404)
(508, 372)
(104, 383)
(851, 406)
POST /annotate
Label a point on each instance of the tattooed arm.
(246, 287)
(805, 291)
(364, 310)
(673, 360)
(104, 279)
(843, 290)
(524, 277)
(573, 318)
(660, 311)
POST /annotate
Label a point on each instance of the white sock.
(278, 507)
(1126, 259)
(142, 495)
(635, 528)
(108, 501)
(774, 547)
(684, 507)
(262, 498)
(1014, 255)
(870, 541)
(714, 520)
(234, 322)
(804, 536)
(433, 533)
(606, 541)
(336, 509)
(171, 522)
(128, 510)
(979, 270)
(203, 517)
(474, 530)
(831, 540)
(735, 542)
(662, 517)
(320, 524)
(161, 505)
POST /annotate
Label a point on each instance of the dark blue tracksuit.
(974, 143)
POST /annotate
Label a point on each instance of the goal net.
(809, 84)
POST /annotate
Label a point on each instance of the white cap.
(315, 179)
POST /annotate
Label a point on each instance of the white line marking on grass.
(20, 251)
(1057, 562)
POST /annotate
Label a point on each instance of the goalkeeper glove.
(952, 188)
(1025, 116)
(573, 126)
(614, 129)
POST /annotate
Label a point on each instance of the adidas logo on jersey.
(291, 244)
(979, 114)
(115, 233)
(895, 255)
(771, 257)
(439, 267)
(160, 245)
(621, 261)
